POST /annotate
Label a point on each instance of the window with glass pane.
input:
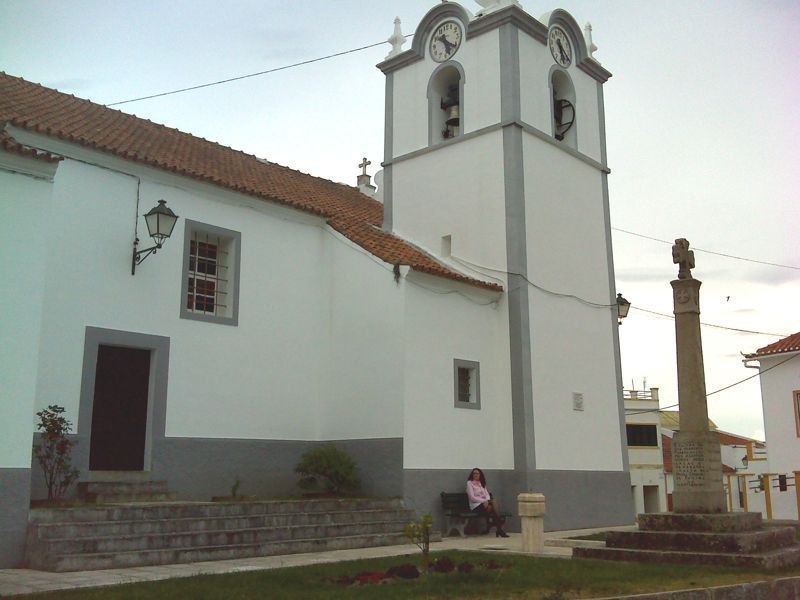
(467, 384)
(207, 276)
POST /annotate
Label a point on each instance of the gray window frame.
(234, 270)
(459, 363)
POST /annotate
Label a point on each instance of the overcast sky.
(701, 118)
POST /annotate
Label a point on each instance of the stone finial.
(397, 39)
(493, 5)
(684, 258)
(590, 45)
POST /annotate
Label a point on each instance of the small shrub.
(404, 571)
(443, 565)
(53, 454)
(369, 577)
(328, 466)
(492, 564)
(466, 567)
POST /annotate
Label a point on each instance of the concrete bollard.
(531, 513)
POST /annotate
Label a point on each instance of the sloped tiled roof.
(9, 144)
(46, 111)
(787, 344)
(671, 419)
(731, 439)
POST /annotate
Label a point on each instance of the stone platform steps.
(773, 559)
(129, 535)
(104, 492)
(728, 539)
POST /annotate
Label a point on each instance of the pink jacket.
(476, 494)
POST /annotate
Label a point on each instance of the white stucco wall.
(437, 434)
(363, 392)
(777, 386)
(261, 379)
(535, 93)
(567, 254)
(536, 96)
(479, 59)
(24, 201)
(317, 352)
(458, 191)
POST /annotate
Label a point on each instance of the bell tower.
(495, 161)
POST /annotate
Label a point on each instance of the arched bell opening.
(563, 108)
(445, 103)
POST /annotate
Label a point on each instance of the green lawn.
(521, 577)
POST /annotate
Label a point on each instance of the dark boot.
(500, 532)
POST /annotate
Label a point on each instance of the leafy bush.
(53, 454)
(328, 466)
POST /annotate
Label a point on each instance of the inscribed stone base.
(697, 469)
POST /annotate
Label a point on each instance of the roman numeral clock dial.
(445, 41)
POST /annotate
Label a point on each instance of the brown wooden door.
(119, 412)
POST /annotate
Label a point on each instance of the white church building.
(465, 316)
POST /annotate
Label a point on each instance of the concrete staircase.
(105, 492)
(128, 535)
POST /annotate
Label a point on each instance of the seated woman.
(481, 502)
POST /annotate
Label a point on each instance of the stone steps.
(116, 560)
(102, 537)
(124, 491)
(76, 530)
(744, 542)
(773, 559)
(722, 539)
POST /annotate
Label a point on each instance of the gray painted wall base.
(15, 498)
(575, 499)
(199, 468)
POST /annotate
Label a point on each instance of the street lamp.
(160, 223)
(623, 306)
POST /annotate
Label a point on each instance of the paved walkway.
(28, 581)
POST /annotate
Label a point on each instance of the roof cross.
(364, 164)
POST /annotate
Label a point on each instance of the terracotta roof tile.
(43, 110)
(9, 144)
(787, 344)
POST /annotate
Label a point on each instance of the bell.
(453, 119)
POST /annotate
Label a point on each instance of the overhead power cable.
(475, 267)
(668, 316)
(240, 77)
(752, 260)
(722, 389)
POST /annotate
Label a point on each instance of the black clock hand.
(562, 51)
(448, 45)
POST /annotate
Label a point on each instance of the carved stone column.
(697, 464)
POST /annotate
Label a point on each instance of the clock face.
(560, 47)
(445, 41)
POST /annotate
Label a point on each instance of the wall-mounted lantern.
(160, 223)
(623, 306)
